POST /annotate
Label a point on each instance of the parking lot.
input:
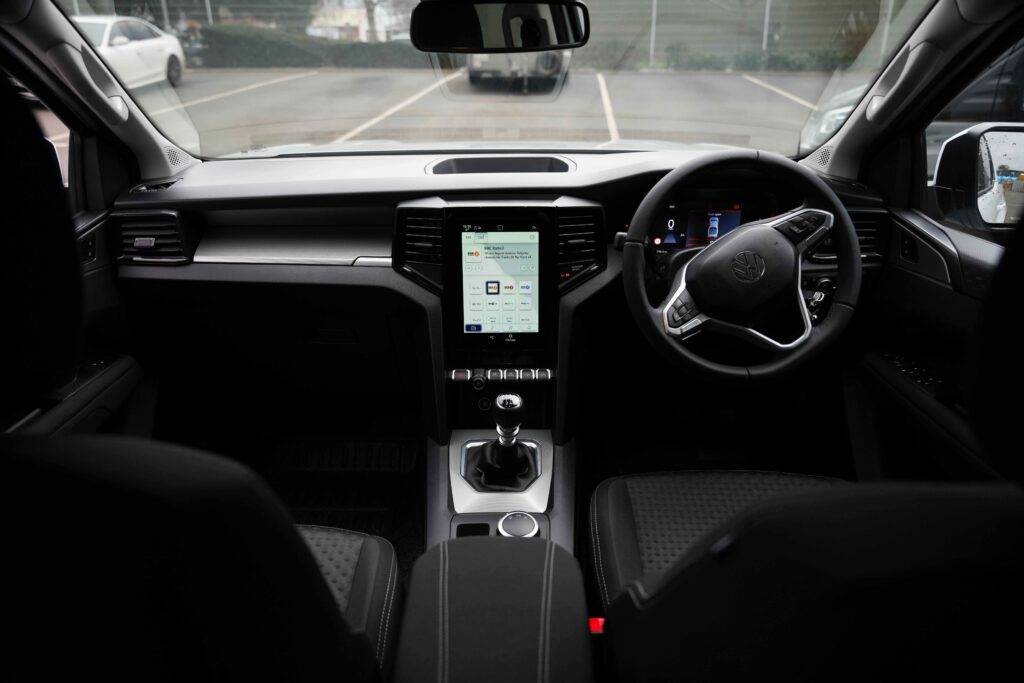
(250, 109)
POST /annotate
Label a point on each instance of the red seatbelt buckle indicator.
(596, 625)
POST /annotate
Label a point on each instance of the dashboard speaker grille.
(823, 156)
(150, 237)
(869, 226)
(419, 245)
(175, 157)
(581, 250)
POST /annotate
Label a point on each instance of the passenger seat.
(137, 560)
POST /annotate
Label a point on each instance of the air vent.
(151, 237)
(581, 249)
(868, 225)
(154, 187)
(419, 245)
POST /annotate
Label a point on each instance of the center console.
(500, 268)
(521, 614)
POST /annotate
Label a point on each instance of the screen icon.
(493, 287)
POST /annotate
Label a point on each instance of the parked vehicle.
(537, 68)
(139, 52)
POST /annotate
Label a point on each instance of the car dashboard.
(491, 257)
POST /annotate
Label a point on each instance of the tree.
(401, 9)
(371, 20)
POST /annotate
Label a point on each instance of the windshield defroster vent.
(151, 237)
(581, 248)
(419, 245)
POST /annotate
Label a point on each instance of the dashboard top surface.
(339, 176)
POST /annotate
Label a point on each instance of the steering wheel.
(747, 282)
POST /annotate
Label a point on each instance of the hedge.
(248, 46)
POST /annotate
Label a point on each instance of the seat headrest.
(40, 278)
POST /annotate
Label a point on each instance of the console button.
(543, 374)
(511, 375)
(461, 375)
(518, 525)
(527, 375)
(495, 375)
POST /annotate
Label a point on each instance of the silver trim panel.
(534, 499)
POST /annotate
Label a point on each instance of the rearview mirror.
(484, 26)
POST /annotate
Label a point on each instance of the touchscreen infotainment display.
(500, 280)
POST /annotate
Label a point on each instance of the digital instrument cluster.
(695, 224)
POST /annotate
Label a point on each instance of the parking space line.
(609, 113)
(780, 91)
(233, 92)
(398, 107)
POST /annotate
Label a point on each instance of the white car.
(140, 53)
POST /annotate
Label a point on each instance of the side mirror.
(118, 41)
(979, 176)
(484, 26)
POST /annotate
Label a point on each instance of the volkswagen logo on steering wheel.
(748, 266)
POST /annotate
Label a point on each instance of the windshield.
(273, 77)
(93, 31)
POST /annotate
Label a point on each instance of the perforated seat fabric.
(362, 573)
(188, 562)
(641, 524)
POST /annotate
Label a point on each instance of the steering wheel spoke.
(805, 227)
(679, 315)
(764, 340)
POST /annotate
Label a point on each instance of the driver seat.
(725, 575)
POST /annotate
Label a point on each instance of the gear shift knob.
(507, 410)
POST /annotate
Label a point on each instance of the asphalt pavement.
(235, 110)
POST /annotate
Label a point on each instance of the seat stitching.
(389, 599)
(547, 625)
(544, 589)
(442, 659)
(596, 537)
(440, 613)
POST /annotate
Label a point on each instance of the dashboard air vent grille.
(419, 245)
(151, 237)
(869, 225)
(581, 249)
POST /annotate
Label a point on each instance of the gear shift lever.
(505, 464)
(507, 411)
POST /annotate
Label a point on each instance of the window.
(140, 31)
(996, 95)
(780, 75)
(976, 156)
(120, 30)
(93, 30)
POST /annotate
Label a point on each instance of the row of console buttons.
(503, 374)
